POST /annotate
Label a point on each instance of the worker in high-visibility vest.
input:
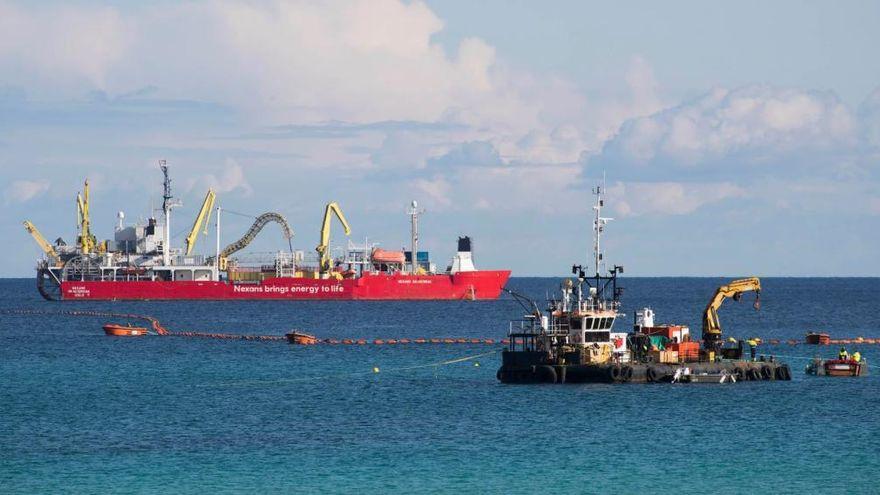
(843, 355)
(857, 356)
(753, 347)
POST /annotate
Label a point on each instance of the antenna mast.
(168, 202)
(414, 213)
(599, 226)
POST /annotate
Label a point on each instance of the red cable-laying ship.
(140, 264)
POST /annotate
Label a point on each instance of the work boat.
(574, 341)
(140, 263)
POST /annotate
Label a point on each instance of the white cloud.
(437, 189)
(21, 191)
(756, 119)
(59, 44)
(232, 179)
(284, 62)
(667, 198)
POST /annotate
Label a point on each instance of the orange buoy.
(420, 341)
(435, 341)
(448, 341)
(347, 341)
(391, 341)
(505, 341)
(488, 341)
(475, 341)
(378, 342)
(404, 341)
(461, 341)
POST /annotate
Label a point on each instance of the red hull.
(482, 284)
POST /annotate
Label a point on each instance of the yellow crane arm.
(735, 289)
(204, 217)
(323, 248)
(42, 242)
(87, 241)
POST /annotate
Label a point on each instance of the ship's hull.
(478, 285)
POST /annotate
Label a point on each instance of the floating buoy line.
(158, 329)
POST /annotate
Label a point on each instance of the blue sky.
(736, 138)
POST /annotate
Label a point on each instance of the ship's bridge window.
(597, 336)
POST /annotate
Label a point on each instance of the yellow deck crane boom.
(47, 248)
(735, 289)
(204, 217)
(86, 240)
(323, 248)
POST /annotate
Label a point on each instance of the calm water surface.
(85, 413)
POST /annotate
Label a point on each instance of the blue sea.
(84, 413)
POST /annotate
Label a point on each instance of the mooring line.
(376, 370)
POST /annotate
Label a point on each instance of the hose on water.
(374, 371)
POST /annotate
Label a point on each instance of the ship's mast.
(168, 202)
(599, 227)
(414, 213)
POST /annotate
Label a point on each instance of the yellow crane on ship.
(203, 218)
(735, 289)
(87, 241)
(323, 248)
(51, 253)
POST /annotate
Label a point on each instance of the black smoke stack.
(464, 244)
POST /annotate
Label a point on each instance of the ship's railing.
(557, 329)
(533, 325)
(528, 325)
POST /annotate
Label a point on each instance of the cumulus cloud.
(22, 191)
(668, 198)
(469, 154)
(78, 45)
(750, 122)
(437, 189)
(231, 179)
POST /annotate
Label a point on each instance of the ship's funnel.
(463, 260)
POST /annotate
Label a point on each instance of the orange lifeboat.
(383, 256)
(115, 330)
(301, 338)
